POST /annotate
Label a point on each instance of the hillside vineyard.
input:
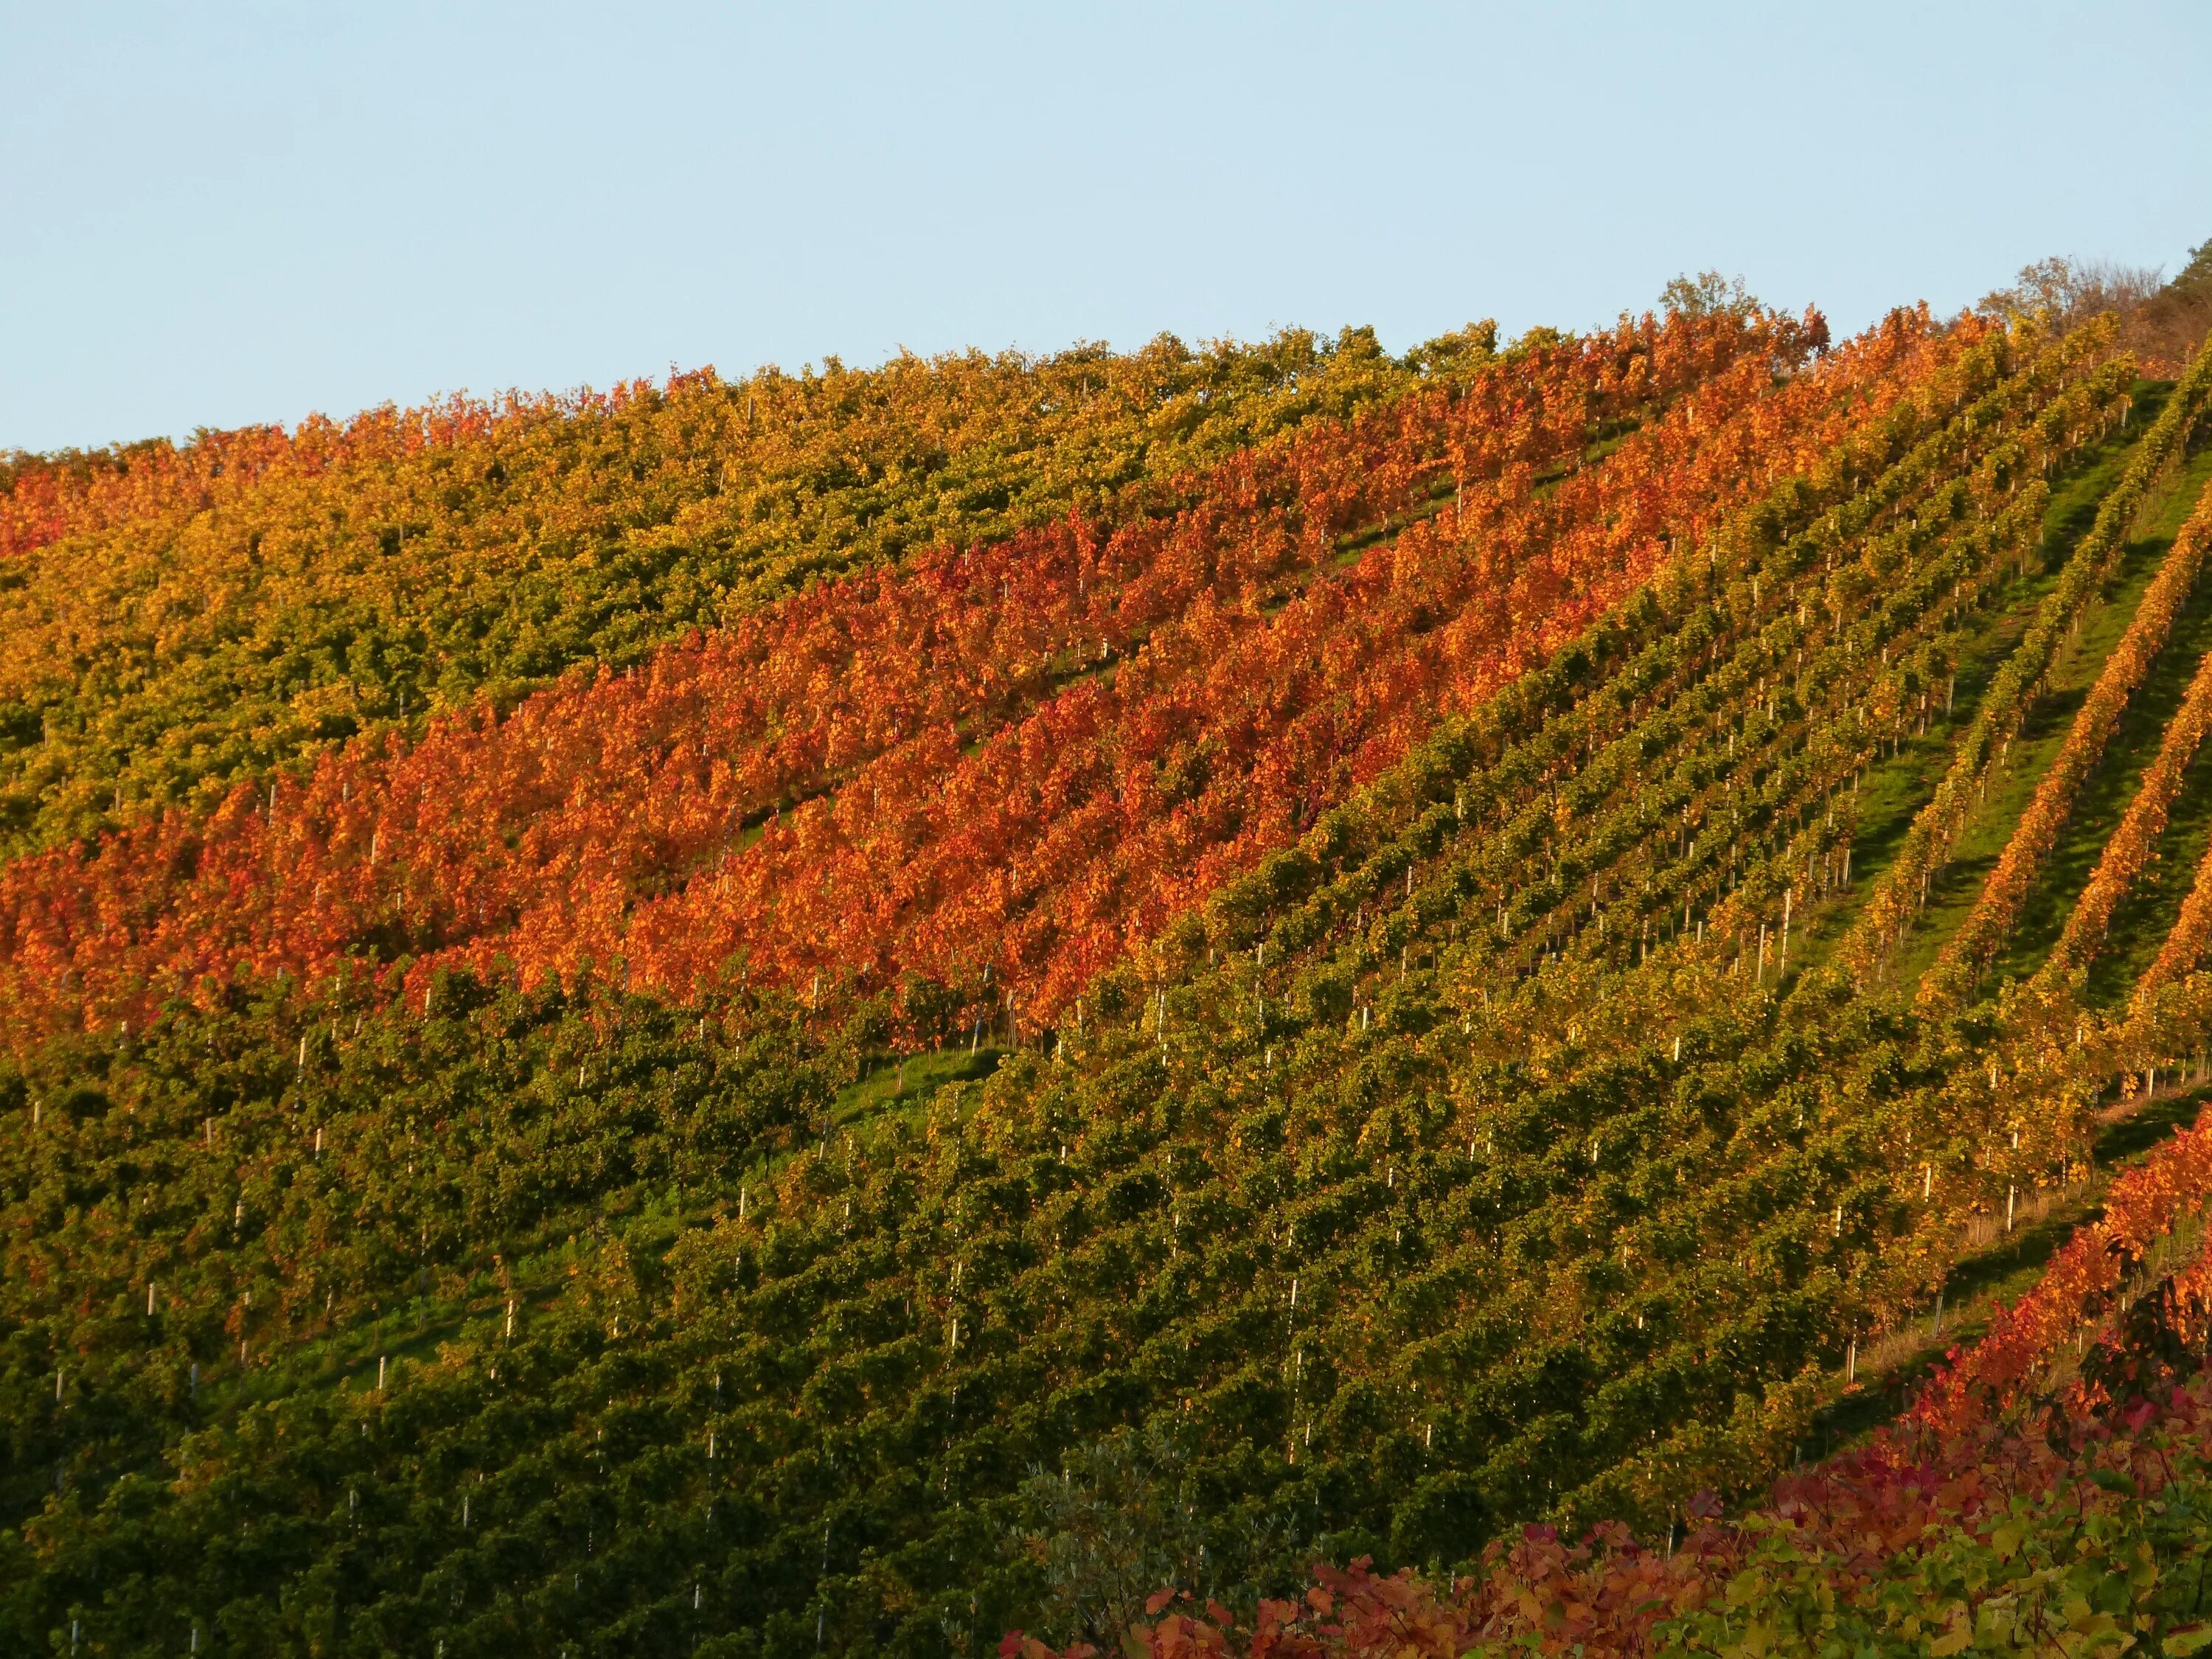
(850, 1012)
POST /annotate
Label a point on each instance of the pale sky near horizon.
(224, 214)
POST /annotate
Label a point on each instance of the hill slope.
(1432, 977)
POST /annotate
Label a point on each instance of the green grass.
(2143, 920)
(902, 1084)
(1894, 789)
(1989, 827)
(2109, 789)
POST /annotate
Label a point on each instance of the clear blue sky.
(219, 214)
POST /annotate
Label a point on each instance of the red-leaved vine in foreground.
(2050, 1520)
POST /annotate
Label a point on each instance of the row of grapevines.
(386, 853)
(1540, 1121)
(2134, 841)
(2183, 947)
(1303, 996)
(2144, 1205)
(1511, 1584)
(1792, 757)
(1793, 760)
(1681, 628)
(1998, 908)
(1447, 897)
(172, 620)
(818, 1413)
(1889, 913)
(1521, 1043)
(887, 1257)
(1119, 805)
(2083, 1532)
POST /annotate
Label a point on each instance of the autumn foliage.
(2133, 844)
(1891, 909)
(1267, 946)
(2065, 1532)
(2057, 1516)
(949, 782)
(2005, 893)
(177, 619)
(2145, 1204)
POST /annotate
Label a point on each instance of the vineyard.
(858, 1012)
